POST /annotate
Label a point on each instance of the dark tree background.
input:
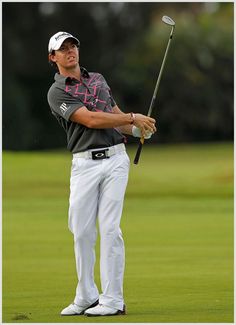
(126, 43)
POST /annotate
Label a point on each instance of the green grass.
(177, 225)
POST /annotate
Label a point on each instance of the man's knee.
(85, 234)
(111, 233)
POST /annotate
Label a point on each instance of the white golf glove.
(137, 133)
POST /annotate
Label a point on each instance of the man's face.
(67, 56)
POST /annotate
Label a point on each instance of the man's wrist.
(132, 116)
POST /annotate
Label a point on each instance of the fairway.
(177, 225)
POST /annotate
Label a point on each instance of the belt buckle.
(100, 154)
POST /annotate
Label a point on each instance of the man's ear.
(51, 57)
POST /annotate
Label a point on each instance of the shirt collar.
(61, 79)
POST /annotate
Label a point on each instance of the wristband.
(132, 117)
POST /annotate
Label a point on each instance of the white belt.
(100, 153)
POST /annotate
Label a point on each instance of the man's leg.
(112, 254)
(84, 185)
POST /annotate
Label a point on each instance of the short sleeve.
(113, 103)
(63, 103)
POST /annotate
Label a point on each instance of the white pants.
(97, 189)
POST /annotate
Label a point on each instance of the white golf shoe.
(101, 310)
(74, 309)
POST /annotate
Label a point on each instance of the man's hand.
(145, 124)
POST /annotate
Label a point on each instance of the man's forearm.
(100, 120)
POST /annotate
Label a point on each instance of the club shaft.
(139, 150)
(160, 74)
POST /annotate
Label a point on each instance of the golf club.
(167, 20)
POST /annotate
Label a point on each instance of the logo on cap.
(61, 35)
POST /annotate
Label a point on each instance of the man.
(83, 105)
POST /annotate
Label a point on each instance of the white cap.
(57, 39)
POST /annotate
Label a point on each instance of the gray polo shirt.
(66, 95)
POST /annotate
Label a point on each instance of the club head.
(167, 20)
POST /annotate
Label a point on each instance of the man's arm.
(102, 120)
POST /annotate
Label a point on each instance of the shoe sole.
(118, 313)
(73, 314)
(82, 313)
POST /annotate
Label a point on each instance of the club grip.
(138, 153)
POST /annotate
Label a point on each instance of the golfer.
(82, 103)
